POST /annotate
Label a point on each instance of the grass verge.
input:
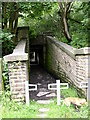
(11, 109)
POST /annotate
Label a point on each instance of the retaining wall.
(18, 71)
(67, 63)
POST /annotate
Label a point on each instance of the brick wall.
(67, 63)
(17, 78)
(18, 71)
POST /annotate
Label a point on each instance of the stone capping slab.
(18, 53)
(20, 48)
(66, 48)
(69, 49)
(82, 51)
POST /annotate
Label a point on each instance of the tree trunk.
(4, 11)
(16, 22)
(64, 17)
(11, 16)
(66, 29)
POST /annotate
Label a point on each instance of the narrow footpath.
(43, 96)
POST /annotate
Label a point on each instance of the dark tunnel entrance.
(38, 74)
(36, 54)
(38, 50)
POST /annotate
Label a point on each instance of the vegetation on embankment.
(11, 109)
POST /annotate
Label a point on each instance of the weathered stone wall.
(0, 75)
(18, 71)
(67, 63)
(23, 33)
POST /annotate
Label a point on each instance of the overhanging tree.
(10, 15)
(64, 9)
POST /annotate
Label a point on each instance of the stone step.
(51, 95)
(42, 94)
(45, 101)
(42, 115)
(42, 110)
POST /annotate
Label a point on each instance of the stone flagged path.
(42, 115)
(43, 96)
(43, 112)
(44, 101)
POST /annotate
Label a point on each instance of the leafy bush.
(5, 76)
(79, 40)
(7, 44)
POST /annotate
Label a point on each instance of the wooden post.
(58, 92)
(27, 92)
(58, 88)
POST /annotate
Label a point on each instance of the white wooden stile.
(58, 88)
(58, 92)
(27, 90)
(33, 85)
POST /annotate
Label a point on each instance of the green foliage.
(79, 24)
(5, 76)
(71, 92)
(79, 41)
(17, 109)
(7, 44)
(43, 18)
(12, 109)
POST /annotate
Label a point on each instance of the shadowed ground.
(40, 77)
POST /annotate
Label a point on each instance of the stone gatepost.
(18, 71)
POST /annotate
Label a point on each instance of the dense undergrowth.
(12, 109)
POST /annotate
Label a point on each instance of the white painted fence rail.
(57, 86)
(27, 89)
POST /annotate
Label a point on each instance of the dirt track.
(40, 77)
